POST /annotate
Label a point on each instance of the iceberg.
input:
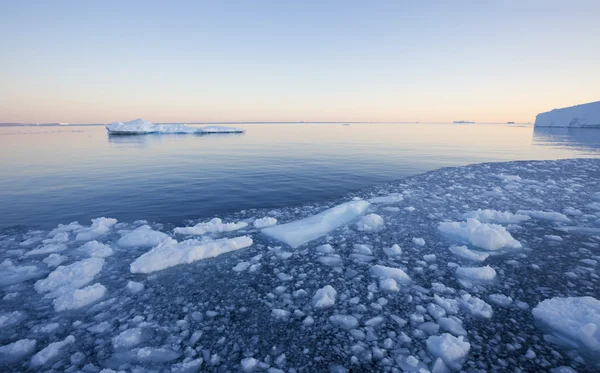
(584, 115)
(142, 127)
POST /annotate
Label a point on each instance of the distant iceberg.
(141, 127)
(584, 115)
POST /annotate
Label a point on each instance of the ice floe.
(574, 321)
(302, 231)
(143, 236)
(486, 236)
(170, 253)
(216, 225)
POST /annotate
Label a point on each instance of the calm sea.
(52, 175)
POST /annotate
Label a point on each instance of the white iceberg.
(301, 231)
(584, 115)
(141, 127)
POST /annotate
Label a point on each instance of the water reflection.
(578, 138)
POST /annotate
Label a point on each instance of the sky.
(200, 61)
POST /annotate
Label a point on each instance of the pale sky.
(486, 61)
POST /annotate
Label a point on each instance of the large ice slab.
(573, 320)
(584, 115)
(302, 231)
(170, 253)
(141, 127)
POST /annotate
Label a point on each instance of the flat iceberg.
(170, 253)
(302, 231)
(584, 115)
(573, 320)
(141, 127)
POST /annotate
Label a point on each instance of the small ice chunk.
(344, 321)
(429, 257)
(47, 249)
(418, 241)
(99, 227)
(51, 352)
(128, 338)
(134, 287)
(500, 300)
(395, 250)
(301, 231)
(54, 260)
(485, 236)
(71, 227)
(476, 306)
(280, 314)
(325, 249)
(452, 350)
(11, 274)
(545, 215)
(391, 198)
(476, 274)
(79, 298)
(100, 328)
(241, 266)
(170, 253)
(388, 284)
(499, 217)
(331, 260)
(96, 249)
(8, 319)
(370, 222)
(267, 221)
(143, 236)
(215, 225)
(383, 272)
(466, 253)
(249, 364)
(451, 326)
(67, 278)
(16, 351)
(324, 297)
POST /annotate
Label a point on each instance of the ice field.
(484, 268)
